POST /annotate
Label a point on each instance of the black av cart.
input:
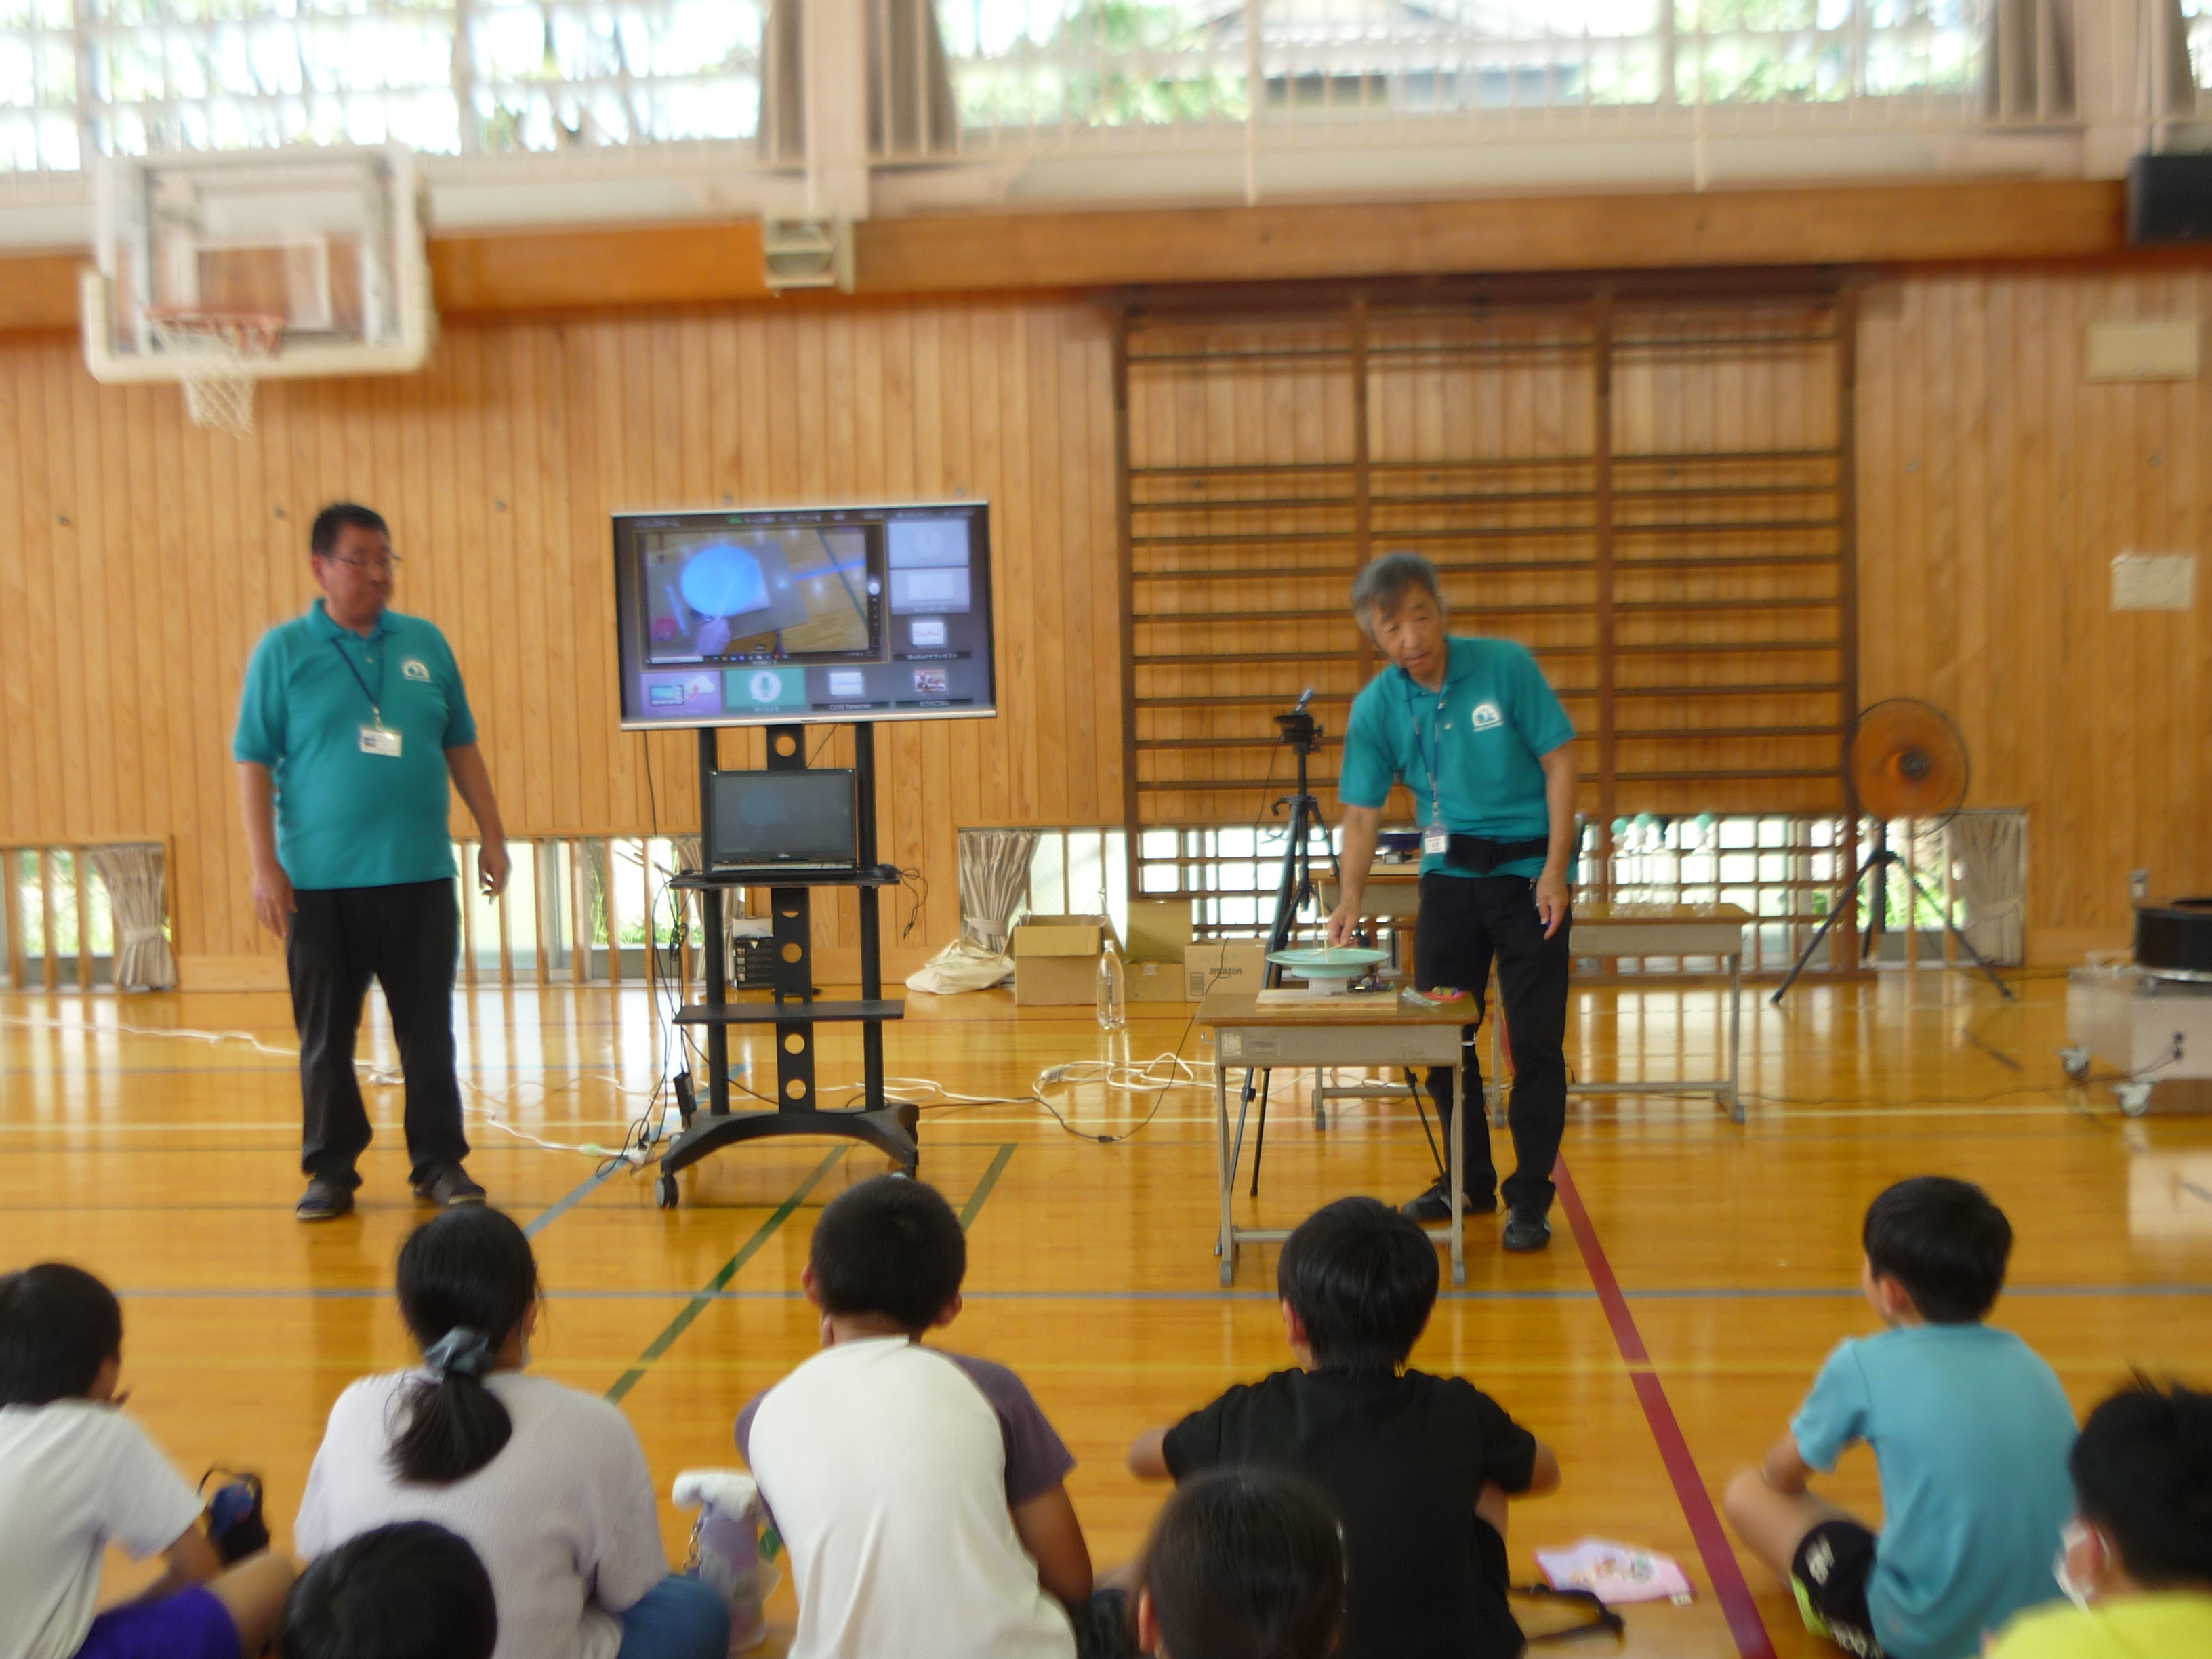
(887, 1126)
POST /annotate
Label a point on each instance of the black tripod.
(1293, 892)
(1878, 864)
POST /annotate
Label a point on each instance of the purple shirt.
(1037, 1459)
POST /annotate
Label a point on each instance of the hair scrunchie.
(460, 1352)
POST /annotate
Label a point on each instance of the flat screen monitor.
(783, 616)
(780, 820)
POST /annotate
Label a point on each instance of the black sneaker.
(1527, 1230)
(326, 1200)
(1435, 1205)
(448, 1187)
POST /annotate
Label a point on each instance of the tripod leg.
(1847, 893)
(1965, 944)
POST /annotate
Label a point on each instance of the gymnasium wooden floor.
(169, 1167)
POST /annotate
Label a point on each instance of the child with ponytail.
(547, 1483)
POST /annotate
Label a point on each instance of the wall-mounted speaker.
(2169, 199)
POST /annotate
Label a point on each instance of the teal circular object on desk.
(1343, 962)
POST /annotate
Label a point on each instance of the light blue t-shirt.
(346, 818)
(1970, 1431)
(1476, 747)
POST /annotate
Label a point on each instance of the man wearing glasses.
(352, 720)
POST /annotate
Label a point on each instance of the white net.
(215, 352)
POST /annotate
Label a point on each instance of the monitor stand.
(890, 1127)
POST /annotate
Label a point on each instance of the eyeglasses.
(382, 567)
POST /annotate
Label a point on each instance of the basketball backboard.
(327, 240)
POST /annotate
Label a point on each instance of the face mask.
(2071, 1537)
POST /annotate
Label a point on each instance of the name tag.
(1436, 840)
(377, 740)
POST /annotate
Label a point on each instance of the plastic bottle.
(1112, 990)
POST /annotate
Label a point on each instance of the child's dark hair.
(466, 1278)
(1246, 1564)
(409, 1591)
(59, 1326)
(1362, 1279)
(891, 1247)
(2142, 1472)
(1944, 1241)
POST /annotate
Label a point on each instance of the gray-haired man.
(1472, 729)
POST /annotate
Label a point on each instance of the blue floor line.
(584, 1189)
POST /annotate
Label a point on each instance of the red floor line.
(1745, 1625)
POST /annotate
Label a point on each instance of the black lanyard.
(376, 697)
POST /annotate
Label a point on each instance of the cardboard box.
(1056, 960)
(1236, 964)
(1156, 981)
(1159, 930)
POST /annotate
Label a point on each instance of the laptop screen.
(757, 819)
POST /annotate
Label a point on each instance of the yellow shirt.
(2162, 1624)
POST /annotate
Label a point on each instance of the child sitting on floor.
(1970, 1429)
(1243, 1563)
(547, 1483)
(407, 1591)
(919, 1493)
(1420, 1467)
(75, 1475)
(2138, 1553)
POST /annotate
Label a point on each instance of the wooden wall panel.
(1995, 486)
(141, 559)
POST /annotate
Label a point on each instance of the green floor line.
(699, 1304)
(983, 1187)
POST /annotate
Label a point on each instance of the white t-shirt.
(75, 1475)
(885, 1467)
(563, 1517)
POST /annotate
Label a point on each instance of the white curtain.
(994, 874)
(1989, 873)
(136, 877)
(2172, 77)
(2027, 60)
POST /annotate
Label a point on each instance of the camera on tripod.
(1299, 729)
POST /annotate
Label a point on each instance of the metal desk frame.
(1597, 935)
(1354, 1040)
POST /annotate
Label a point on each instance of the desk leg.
(1227, 1246)
(1458, 1156)
(1731, 1097)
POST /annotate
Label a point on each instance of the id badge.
(380, 740)
(1435, 841)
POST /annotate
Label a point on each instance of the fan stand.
(1877, 864)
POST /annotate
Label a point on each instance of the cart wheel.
(664, 1191)
(1731, 1102)
(2074, 1063)
(2134, 1099)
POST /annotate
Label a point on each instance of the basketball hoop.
(214, 351)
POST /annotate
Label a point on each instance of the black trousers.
(407, 939)
(1465, 922)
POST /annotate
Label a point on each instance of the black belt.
(1481, 856)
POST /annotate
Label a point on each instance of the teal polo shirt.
(344, 817)
(1482, 737)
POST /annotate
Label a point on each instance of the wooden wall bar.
(140, 559)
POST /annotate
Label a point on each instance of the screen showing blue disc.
(724, 581)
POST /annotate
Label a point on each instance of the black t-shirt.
(1404, 1458)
